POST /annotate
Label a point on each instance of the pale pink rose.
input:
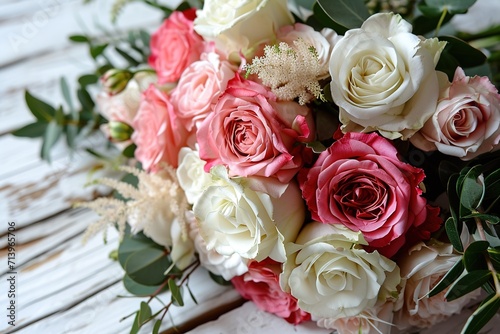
(422, 268)
(467, 119)
(253, 134)
(261, 285)
(158, 134)
(174, 46)
(199, 88)
(360, 182)
(372, 321)
(323, 41)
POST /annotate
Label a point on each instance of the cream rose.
(332, 276)
(236, 218)
(191, 174)
(422, 268)
(383, 77)
(227, 266)
(241, 25)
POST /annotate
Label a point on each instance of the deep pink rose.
(158, 134)
(360, 182)
(467, 119)
(253, 134)
(174, 46)
(261, 285)
(199, 88)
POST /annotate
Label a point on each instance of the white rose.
(332, 276)
(190, 174)
(235, 218)
(241, 25)
(227, 266)
(422, 268)
(383, 77)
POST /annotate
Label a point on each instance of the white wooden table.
(62, 286)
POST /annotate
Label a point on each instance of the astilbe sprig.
(290, 71)
(155, 192)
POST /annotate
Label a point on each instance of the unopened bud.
(120, 131)
(116, 80)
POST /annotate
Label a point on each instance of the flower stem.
(441, 20)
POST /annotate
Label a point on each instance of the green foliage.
(346, 13)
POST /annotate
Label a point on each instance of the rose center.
(243, 139)
(363, 197)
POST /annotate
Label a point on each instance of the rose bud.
(116, 80)
(120, 131)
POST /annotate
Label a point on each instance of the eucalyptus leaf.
(85, 99)
(320, 20)
(348, 13)
(32, 130)
(132, 243)
(144, 313)
(219, 279)
(140, 290)
(135, 324)
(451, 276)
(465, 54)
(79, 39)
(454, 234)
(428, 22)
(474, 255)
(482, 315)
(176, 293)
(473, 189)
(484, 217)
(468, 283)
(156, 328)
(131, 60)
(147, 266)
(40, 109)
(88, 79)
(494, 254)
(50, 137)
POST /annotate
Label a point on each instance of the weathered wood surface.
(64, 286)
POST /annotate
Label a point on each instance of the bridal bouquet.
(334, 161)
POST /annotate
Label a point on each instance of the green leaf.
(348, 13)
(452, 6)
(50, 138)
(79, 39)
(85, 99)
(473, 189)
(129, 151)
(147, 266)
(453, 234)
(468, 283)
(454, 199)
(465, 54)
(219, 279)
(88, 79)
(494, 254)
(482, 315)
(40, 109)
(191, 294)
(67, 96)
(139, 290)
(492, 181)
(135, 324)
(176, 293)
(131, 60)
(320, 20)
(156, 328)
(451, 276)
(132, 243)
(97, 50)
(144, 313)
(484, 217)
(32, 130)
(428, 22)
(474, 255)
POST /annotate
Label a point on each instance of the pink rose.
(253, 134)
(467, 119)
(359, 182)
(261, 285)
(158, 134)
(199, 88)
(174, 46)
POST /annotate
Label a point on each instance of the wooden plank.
(71, 280)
